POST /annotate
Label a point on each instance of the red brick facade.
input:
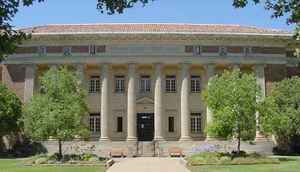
(210, 49)
(54, 49)
(101, 49)
(235, 49)
(80, 49)
(26, 50)
(14, 76)
(268, 50)
(189, 49)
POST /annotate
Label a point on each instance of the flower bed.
(66, 160)
(217, 158)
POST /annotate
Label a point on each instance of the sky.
(158, 11)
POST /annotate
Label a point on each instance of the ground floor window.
(120, 124)
(171, 124)
(196, 122)
(95, 122)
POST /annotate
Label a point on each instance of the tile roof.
(151, 28)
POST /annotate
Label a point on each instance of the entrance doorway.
(145, 126)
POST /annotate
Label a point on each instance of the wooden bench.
(119, 152)
(175, 151)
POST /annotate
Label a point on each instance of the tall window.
(94, 84)
(92, 50)
(171, 124)
(95, 122)
(120, 124)
(196, 122)
(145, 84)
(223, 51)
(42, 50)
(198, 50)
(171, 84)
(195, 84)
(120, 84)
(67, 51)
(248, 51)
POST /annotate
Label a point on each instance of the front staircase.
(146, 148)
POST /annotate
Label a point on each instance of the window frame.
(67, 50)
(93, 84)
(196, 122)
(96, 124)
(247, 54)
(171, 87)
(194, 84)
(42, 50)
(119, 84)
(198, 50)
(143, 84)
(221, 52)
(92, 50)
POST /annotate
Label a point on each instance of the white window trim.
(145, 78)
(94, 129)
(198, 50)
(94, 87)
(197, 78)
(198, 129)
(168, 89)
(118, 85)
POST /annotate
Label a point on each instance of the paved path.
(148, 164)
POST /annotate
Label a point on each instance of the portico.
(144, 81)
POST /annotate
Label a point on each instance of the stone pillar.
(105, 102)
(259, 71)
(80, 70)
(158, 104)
(210, 72)
(29, 81)
(184, 99)
(131, 103)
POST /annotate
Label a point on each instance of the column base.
(185, 138)
(131, 139)
(159, 139)
(104, 139)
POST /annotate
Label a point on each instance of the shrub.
(42, 160)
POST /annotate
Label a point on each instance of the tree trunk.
(59, 150)
(239, 141)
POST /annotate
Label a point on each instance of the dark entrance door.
(145, 126)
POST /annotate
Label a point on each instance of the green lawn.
(9, 165)
(286, 165)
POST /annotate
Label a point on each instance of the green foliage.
(280, 113)
(60, 111)
(232, 100)
(10, 110)
(112, 6)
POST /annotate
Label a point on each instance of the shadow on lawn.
(287, 159)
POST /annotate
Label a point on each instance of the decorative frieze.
(26, 50)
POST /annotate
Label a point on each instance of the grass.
(12, 165)
(286, 165)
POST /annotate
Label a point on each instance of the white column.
(105, 102)
(80, 70)
(210, 72)
(131, 103)
(158, 104)
(185, 110)
(259, 71)
(29, 81)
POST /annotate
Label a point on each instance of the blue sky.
(159, 11)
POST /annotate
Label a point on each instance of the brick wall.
(268, 50)
(293, 71)
(26, 50)
(80, 49)
(14, 76)
(54, 49)
(274, 74)
(235, 49)
(210, 49)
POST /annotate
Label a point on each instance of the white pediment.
(144, 100)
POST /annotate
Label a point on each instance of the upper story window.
(67, 51)
(92, 50)
(196, 122)
(248, 51)
(94, 84)
(94, 122)
(42, 50)
(145, 84)
(195, 84)
(223, 51)
(120, 84)
(198, 50)
(171, 84)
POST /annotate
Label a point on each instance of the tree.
(10, 38)
(59, 112)
(10, 110)
(280, 115)
(232, 100)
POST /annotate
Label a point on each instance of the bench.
(175, 151)
(119, 152)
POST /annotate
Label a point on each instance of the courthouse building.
(144, 81)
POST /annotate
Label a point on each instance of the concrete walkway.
(148, 164)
